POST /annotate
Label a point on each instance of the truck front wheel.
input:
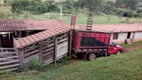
(119, 52)
(91, 56)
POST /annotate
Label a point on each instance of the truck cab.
(114, 49)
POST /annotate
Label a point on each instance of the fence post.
(21, 56)
(55, 50)
(40, 51)
(70, 44)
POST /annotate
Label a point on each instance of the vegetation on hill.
(106, 11)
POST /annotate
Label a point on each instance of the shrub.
(4, 15)
(63, 60)
(109, 8)
(34, 6)
(126, 12)
(139, 15)
(35, 64)
(139, 11)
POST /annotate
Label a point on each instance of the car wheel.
(91, 56)
(119, 52)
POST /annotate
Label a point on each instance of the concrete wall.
(136, 36)
(121, 38)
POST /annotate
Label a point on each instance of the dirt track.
(126, 50)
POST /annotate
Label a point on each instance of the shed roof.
(26, 41)
(20, 25)
(114, 27)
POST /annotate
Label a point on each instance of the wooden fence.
(9, 60)
(48, 51)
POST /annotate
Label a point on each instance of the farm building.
(24, 40)
(119, 32)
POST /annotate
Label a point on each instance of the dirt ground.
(126, 50)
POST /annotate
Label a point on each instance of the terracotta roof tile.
(14, 25)
(113, 27)
(51, 32)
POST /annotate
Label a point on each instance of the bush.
(109, 8)
(139, 11)
(139, 15)
(34, 6)
(35, 64)
(4, 15)
(63, 60)
(126, 12)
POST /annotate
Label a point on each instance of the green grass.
(117, 67)
(5, 9)
(133, 45)
(82, 18)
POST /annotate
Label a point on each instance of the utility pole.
(61, 13)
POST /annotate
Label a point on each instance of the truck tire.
(91, 56)
(119, 52)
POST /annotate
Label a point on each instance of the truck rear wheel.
(91, 56)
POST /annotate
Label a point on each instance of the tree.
(130, 4)
(4, 15)
(94, 6)
(68, 6)
(34, 6)
(109, 7)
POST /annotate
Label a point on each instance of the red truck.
(92, 44)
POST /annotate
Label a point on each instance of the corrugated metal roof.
(16, 25)
(23, 42)
(113, 27)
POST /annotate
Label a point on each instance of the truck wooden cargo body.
(90, 43)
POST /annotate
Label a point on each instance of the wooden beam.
(55, 50)
(40, 51)
(21, 57)
(70, 44)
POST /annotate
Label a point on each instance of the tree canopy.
(93, 5)
(34, 6)
(129, 4)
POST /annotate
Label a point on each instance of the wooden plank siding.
(9, 60)
(48, 50)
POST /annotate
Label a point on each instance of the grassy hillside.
(82, 18)
(118, 67)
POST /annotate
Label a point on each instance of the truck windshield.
(112, 44)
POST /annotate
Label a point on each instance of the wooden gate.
(47, 51)
(9, 60)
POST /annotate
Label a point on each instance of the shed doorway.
(6, 40)
(129, 35)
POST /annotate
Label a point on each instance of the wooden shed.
(47, 40)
